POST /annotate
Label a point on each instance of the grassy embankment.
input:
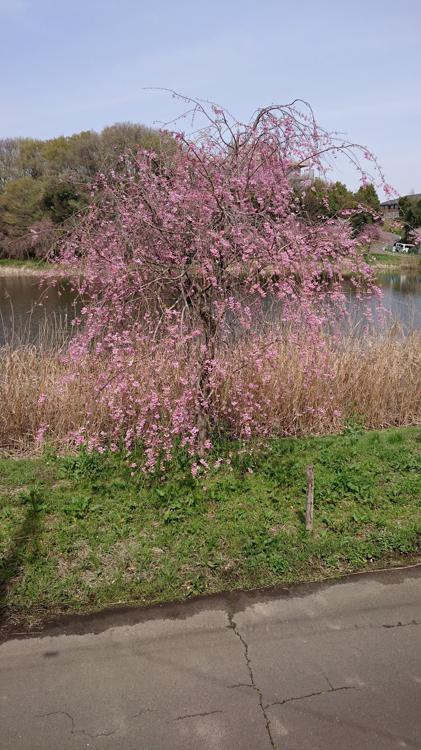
(80, 533)
(11, 266)
(381, 261)
(383, 258)
(395, 260)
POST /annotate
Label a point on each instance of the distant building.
(390, 209)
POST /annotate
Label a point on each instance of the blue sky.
(83, 64)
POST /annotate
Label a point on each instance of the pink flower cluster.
(184, 252)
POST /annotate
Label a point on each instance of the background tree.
(328, 200)
(339, 198)
(31, 159)
(410, 214)
(61, 199)
(128, 136)
(9, 160)
(21, 204)
(58, 173)
(366, 195)
(20, 209)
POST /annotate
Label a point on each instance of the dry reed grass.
(375, 380)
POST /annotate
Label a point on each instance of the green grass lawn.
(80, 533)
(398, 260)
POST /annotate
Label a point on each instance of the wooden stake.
(310, 498)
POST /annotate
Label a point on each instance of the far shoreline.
(11, 267)
(382, 261)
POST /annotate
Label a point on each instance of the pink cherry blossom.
(184, 253)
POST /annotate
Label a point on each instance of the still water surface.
(29, 311)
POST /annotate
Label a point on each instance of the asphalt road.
(329, 667)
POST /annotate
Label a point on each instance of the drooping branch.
(177, 256)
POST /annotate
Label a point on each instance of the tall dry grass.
(375, 380)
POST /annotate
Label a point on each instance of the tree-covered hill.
(43, 184)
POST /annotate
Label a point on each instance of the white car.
(403, 247)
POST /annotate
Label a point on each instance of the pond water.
(30, 312)
(400, 302)
(402, 295)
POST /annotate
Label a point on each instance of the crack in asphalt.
(73, 729)
(193, 716)
(403, 624)
(328, 681)
(311, 695)
(141, 712)
(233, 626)
(370, 626)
